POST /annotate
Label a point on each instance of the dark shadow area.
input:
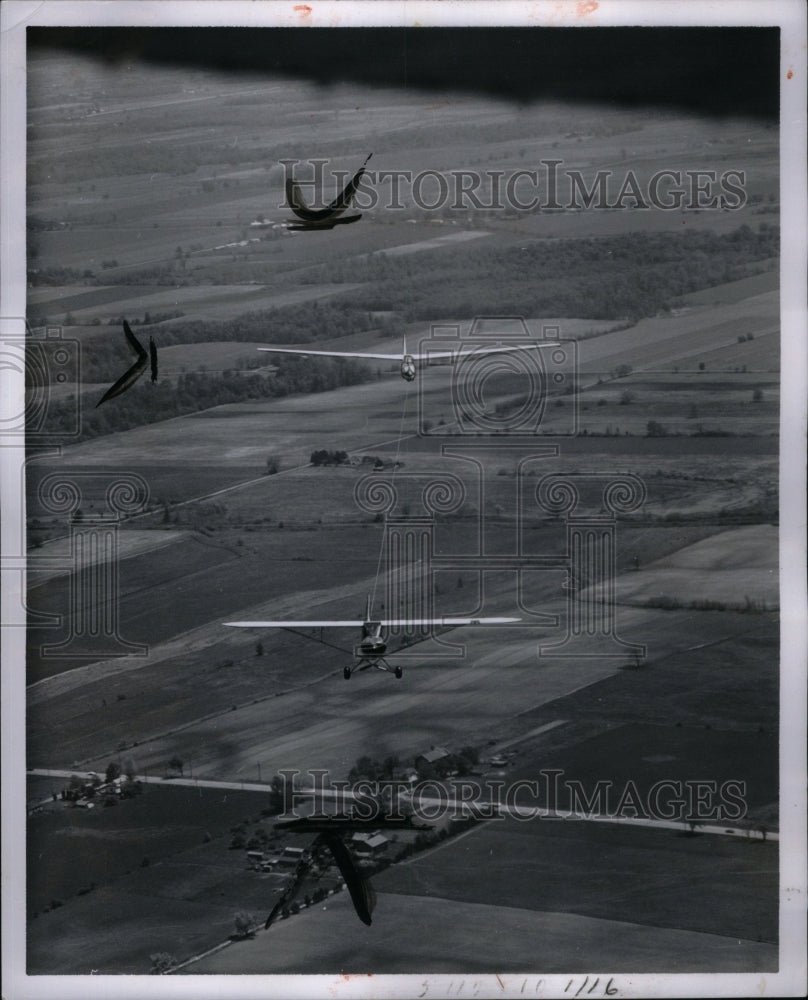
(713, 71)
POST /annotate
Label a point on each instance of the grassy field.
(184, 897)
(606, 872)
(137, 205)
(131, 184)
(406, 927)
(649, 878)
(728, 685)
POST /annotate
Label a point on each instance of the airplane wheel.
(399, 672)
(346, 673)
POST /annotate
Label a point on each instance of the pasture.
(406, 927)
(115, 196)
(148, 184)
(651, 880)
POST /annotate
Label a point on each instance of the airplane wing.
(466, 351)
(332, 354)
(333, 624)
(449, 621)
(428, 356)
(343, 200)
(386, 623)
(363, 895)
(337, 207)
(299, 206)
(134, 343)
(129, 377)
(153, 357)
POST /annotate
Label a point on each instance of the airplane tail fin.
(404, 345)
(367, 610)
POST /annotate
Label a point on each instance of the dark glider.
(323, 218)
(131, 375)
(362, 892)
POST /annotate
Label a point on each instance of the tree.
(243, 922)
(113, 771)
(161, 962)
(176, 763)
(276, 794)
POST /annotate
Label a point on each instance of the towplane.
(408, 362)
(322, 218)
(373, 645)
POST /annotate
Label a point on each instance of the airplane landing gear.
(346, 673)
(399, 672)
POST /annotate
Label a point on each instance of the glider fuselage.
(408, 368)
(372, 643)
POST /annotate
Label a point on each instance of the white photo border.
(791, 18)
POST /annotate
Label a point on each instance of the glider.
(408, 361)
(362, 893)
(131, 375)
(322, 218)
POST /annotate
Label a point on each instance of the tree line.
(614, 277)
(148, 404)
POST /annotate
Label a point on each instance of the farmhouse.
(290, 856)
(436, 761)
(368, 845)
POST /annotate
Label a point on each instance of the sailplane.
(323, 218)
(132, 374)
(408, 362)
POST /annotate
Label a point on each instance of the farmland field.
(158, 196)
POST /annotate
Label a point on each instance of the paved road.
(426, 802)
